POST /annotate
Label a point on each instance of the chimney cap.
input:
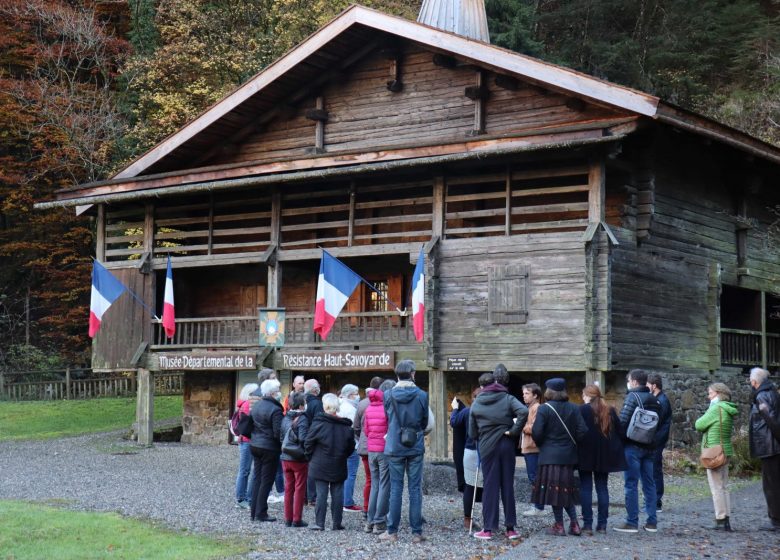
(463, 17)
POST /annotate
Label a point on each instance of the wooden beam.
(479, 93)
(596, 193)
(319, 115)
(100, 241)
(352, 201)
(507, 82)
(274, 281)
(395, 84)
(144, 411)
(445, 61)
(323, 166)
(764, 356)
(437, 392)
(508, 202)
(438, 207)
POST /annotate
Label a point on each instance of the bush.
(686, 461)
(742, 464)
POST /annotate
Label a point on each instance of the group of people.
(557, 437)
(318, 442)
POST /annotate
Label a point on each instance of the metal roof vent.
(464, 17)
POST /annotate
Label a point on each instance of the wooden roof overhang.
(336, 166)
(328, 53)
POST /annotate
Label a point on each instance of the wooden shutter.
(507, 294)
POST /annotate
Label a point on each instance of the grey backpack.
(643, 424)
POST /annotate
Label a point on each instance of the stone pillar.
(437, 392)
(144, 411)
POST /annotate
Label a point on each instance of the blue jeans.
(587, 478)
(379, 499)
(413, 467)
(353, 462)
(243, 480)
(658, 474)
(640, 466)
(531, 466)
(279, 479)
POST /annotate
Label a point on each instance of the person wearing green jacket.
(716, 425)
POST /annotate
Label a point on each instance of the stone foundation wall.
(687, 392)
(207, 398)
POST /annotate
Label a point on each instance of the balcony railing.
(743, 348)
(236, 332)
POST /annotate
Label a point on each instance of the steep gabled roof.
(352, 34)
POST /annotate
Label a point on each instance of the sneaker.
(484, 535)
(511, 534)
(659, 508)
(317, 528)
(242, 504)
(651, 528)
(532, 512)
(626, 528)
(353, 508)
(388, 537)
(275, 499)
(417, 539)
(380, 528)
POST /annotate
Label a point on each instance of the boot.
(721, 524)
(557, 530)
(574, 529)
(727, 524)
(468, 522)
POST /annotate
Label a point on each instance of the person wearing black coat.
(764, 416)
(329, 443)
(311, 391)
(265, 445)
(557, 429)
(600, 453)
(295, 468)
(639, 456)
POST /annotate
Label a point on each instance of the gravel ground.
(191, 487)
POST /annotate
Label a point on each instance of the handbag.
(714, 457)
(291, 445)
(408, 436)
(246, 425)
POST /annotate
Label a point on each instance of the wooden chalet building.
(572, 227)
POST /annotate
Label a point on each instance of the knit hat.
(555, 384)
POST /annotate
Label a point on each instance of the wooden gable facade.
(571, 227)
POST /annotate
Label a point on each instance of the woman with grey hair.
(328, 444)
(243, 483)
(266, 446)
(716, 425)
(349, 397)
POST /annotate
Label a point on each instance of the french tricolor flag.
(336, 283)
(105, 290)
(168, 316)
(418, 297)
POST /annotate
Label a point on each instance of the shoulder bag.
(291, 445)
(714, 457)
(563, 424)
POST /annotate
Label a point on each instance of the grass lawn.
(32, 531)
(52, 419)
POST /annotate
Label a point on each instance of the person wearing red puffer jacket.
(375, 428)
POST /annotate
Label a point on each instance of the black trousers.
(336, 502)
(498, 472)
(770, 476)
(468, 497)
(265, 463)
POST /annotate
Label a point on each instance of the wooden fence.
(60, 384)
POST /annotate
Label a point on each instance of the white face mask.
(628, 385)
(716, 400)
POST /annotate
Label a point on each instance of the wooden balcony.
(743, 348)
(350, 329)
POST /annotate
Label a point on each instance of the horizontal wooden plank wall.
(552, 339)
(363, 114)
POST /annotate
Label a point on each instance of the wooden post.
(352, 200)
(439, 211)
(508, 217)
(597, 191)
(764, 358)
(274, 288)
(144, 411)
(67, 383)
(437, 394)
(596, 377)
(100, 242)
